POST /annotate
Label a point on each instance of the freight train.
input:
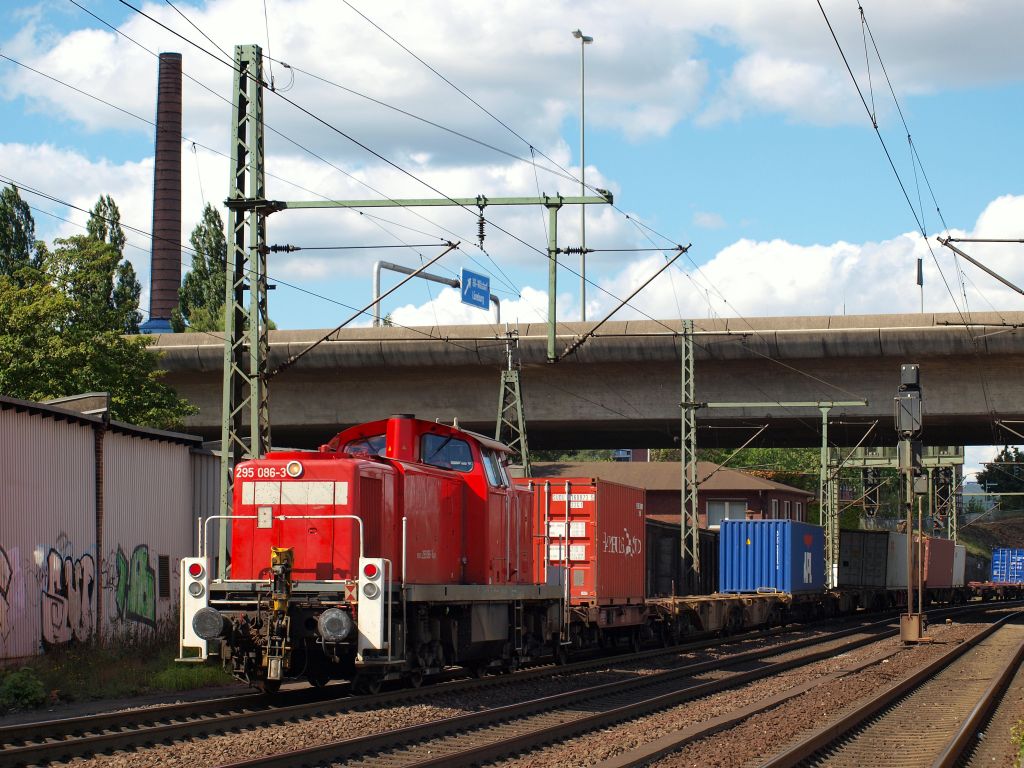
(403, 547)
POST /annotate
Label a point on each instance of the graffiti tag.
(136, 587)
(627, 544)
(66, 607)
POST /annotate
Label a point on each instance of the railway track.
(55, 740)
(50, 740)
(479, 737)
(953, 695)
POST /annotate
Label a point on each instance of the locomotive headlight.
(372, 591)
(334, 625)
(196, 589)
(293, 468)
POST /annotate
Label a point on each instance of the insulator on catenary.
(480, 228)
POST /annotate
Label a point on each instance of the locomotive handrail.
(206, 534)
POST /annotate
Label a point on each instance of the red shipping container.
(595, 536)
(938, 562)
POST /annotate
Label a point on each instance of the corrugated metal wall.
(48, 570)
(56, 585)
(205, 497)
(147, 499)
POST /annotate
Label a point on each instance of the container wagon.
(1006, 577)
(594, 540)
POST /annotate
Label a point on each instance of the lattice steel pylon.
(689, 519)
(245, 328)
(511, 425)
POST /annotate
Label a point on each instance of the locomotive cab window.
(493, 469)
(374, 446)
(446, 452)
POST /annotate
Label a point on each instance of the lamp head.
(580, 36)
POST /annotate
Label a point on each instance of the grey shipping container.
(862, 558)
(668, 574)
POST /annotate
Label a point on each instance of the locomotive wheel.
(269, 687)
(318, 679)
(365, 684)
(415, 678)
(561, 655)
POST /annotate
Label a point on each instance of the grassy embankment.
(85, 673)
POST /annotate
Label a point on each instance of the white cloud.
(708, 220)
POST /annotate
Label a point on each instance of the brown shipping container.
(605, 537)
(938, 562)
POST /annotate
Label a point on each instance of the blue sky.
(732, 126)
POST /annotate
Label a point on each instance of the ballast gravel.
(762, 734)
(231, 747)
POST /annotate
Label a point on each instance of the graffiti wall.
(148, 516)
(61, 584)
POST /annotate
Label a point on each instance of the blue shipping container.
(771, 556)
(1008, 565)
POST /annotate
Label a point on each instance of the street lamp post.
(584, 41)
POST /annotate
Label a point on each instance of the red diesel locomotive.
(398, 548)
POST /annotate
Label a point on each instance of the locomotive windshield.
(373, 446)
(493, 469)
(446, 452)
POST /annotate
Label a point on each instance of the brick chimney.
(165, 265)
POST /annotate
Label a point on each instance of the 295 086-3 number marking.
(249, 471)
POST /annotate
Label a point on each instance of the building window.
(799, 511)
(723, 509)
(787, 510)
(775, 509)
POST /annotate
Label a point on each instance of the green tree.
(18, 245)
(49, 348)
(201, 297)
(1005, 474)
(62, 333)
(104, 226)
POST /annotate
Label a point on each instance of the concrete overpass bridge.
(622, 388)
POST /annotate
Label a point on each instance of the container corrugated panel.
(1008, 565)
(48, 569)
(147, 529)
(606, 538)
(938, 563)
(959, 565)
(862, 558)
(896, 562)
(771, 556)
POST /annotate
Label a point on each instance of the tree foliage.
(18, 246)
(201, 297)
(62, 326)
(1002, 477)
(104, 226)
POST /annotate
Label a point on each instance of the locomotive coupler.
(278, 650)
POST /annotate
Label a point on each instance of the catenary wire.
(389, 162)
(283, 136)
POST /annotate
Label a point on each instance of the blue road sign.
(476, 290)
